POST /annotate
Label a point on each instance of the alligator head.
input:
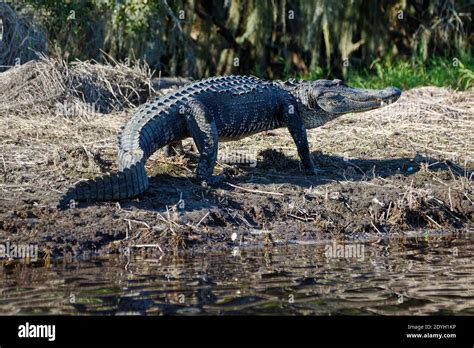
(325, 100)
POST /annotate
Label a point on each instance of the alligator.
(223, 108)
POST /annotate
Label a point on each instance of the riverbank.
(406, 167)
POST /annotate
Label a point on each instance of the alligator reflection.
(410, 277)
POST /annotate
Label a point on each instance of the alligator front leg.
(298, 133)
(203, 129)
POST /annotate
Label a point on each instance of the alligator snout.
(390, 95)
(394, 91)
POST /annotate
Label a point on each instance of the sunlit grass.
(438, 71)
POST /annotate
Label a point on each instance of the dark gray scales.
(224, 108)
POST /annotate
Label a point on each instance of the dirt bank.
(405, 167)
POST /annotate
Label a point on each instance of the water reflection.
(409, 277)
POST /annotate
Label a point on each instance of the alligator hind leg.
(204, 132)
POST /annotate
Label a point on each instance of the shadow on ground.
(275, 169)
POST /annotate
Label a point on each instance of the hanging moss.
(269, 38)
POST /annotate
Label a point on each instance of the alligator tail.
(127, 183)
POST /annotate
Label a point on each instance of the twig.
(429, 218)
(255, 191)
(148, 246)
(205, 216)
(169, 221)
(388, 210)
(450, 199)
(305, 219)
(375, 227)
(4, 168)
(138, 222)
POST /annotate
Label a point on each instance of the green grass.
(438, 71)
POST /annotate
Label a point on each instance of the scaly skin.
(224, 108)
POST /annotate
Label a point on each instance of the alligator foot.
(214, 180)
(312, 171)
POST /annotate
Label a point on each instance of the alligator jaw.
(346, 99)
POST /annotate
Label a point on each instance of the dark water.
(416, 276)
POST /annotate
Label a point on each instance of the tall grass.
(456, 73)
(438, 71)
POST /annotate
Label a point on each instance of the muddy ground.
(402, 168)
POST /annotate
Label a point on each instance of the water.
(415, 276)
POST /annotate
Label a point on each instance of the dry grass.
(47, 84)
(431, 121)
(43, 150)
(60, 120)
(49, 127)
